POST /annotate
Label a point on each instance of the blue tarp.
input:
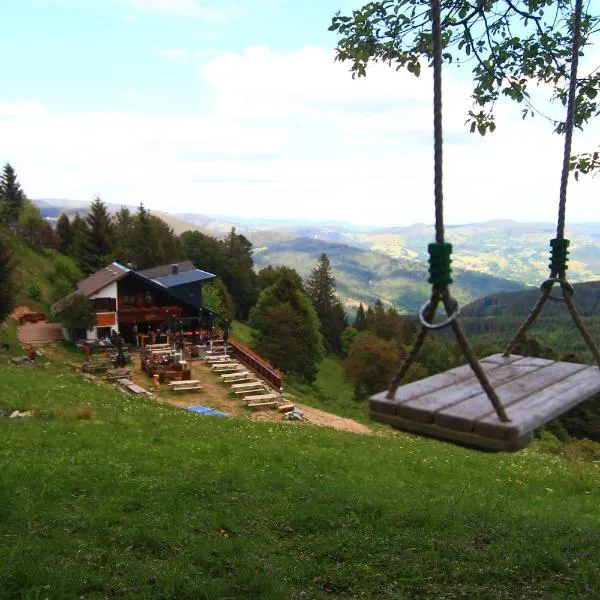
(206, 411)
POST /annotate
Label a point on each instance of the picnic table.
(185, 385)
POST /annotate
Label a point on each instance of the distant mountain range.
(390, 263)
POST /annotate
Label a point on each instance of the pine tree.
(12, 198)
(123, 227)
(238, 272)
(7, 282)
(64, 234)
(142, 255)
(80, 250)
(321, 291)
(287, 328)
(100, 235)
(360, 322)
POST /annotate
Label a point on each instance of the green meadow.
(104, 495)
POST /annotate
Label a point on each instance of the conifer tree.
(360, 322)
(12, 198)
(80, 250)
(321, 291)
(100, 235)
(238, 272)
(7, 283)
(123, 227)
(287, 328)
(142, 255)
(64, 234)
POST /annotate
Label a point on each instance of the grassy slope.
(147, 501)
(42, 277)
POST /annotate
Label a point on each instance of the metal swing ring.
(563, 284)
(442, 324)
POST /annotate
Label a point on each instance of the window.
(104, 304)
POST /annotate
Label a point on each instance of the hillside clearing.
(105, 496)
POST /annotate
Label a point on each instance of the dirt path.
(215, 395)
(36, 333)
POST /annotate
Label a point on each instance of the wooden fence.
(256, 363)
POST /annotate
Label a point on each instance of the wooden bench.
(247, 385)
(157, 346)
(262, 405)
(261, 398)
(238, 376)
(185, 385)
(95, 366)
(256, 387)
(133, 387)
(235, 375)
(227, 368)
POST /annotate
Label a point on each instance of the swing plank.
(452, 406)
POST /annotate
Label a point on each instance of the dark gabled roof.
(100, 279)
(164, 270)
(194, 276)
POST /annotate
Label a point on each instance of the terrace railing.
(255, 362)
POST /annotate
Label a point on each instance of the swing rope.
(559, 245)
(440, 251)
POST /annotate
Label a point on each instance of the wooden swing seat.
(452, 406)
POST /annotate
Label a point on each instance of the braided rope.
(559, 245)
(564, 176)
(440, 251)
(436, 35)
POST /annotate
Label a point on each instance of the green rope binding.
(559, 255)
(439, 263)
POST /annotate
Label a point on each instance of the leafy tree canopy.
(509, 45)
(74, 312)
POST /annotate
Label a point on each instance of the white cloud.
(292, 135)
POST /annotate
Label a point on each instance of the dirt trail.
(215, 395)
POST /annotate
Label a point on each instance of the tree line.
(296, 322)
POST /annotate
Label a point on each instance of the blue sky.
(236, 107)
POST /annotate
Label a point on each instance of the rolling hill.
(364, 275)
(390, 263)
